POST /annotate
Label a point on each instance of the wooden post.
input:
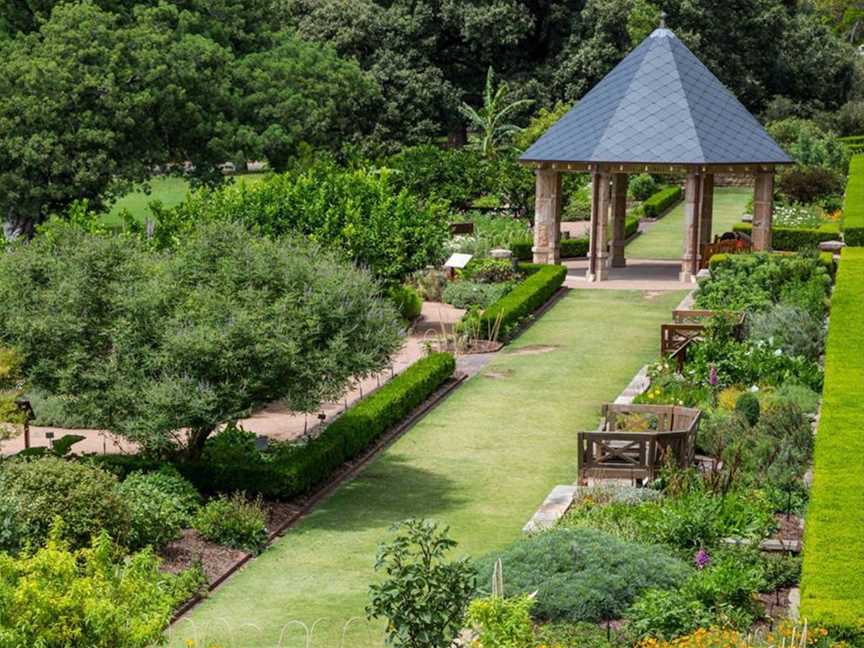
(619, 219)
(598, 255)
(763, 211)
(547, 217)
(692, 209)
(707, 212)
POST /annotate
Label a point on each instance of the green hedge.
(289, 470)
(571, 248)
(792, 239)
(661, 201)
(542, 282)
(832, 583)
(825, 258)
(853, 204)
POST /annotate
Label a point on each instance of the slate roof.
(659, 105)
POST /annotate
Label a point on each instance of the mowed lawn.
(481, 462)
(168, 190)
(665, 238)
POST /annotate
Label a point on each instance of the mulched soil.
(776, 604)
(789, 529)
(192, 549)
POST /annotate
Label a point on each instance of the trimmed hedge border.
(287, 475)
(571, 248)
(664, 199)
(825, 258)
(832, 583)
(792, 239)
(542, 282)
(853, 204)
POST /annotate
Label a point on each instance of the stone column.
(763, 211)
(692, 211)
(547, 217)
(598, 255)
(707, 211)
(619, 219)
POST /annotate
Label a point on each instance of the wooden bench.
(688, 326)
(615, 452)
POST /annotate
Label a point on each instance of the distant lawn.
(665, 238)
(170, 191)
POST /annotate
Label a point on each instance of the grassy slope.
(664, 239)
(832, 585)
(170, 191)
(481, 462)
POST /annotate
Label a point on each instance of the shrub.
(157, 516)
(456, 176)
(808, 184)
(642, 186)
(529, 295)
(502, 622)
(430, 283)
(489, 271)
(583, 574)
(790, 328)
(800, 396)
(465, 294)
(84, 496)
(662, 200)
(423, 595)
(92, 597)
(407, 301)
(793, 239)
(747, 405)
(853, 204)
(574, 635)
(234, 522)
(666, 614)
(832, 581)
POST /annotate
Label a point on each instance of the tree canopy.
(151, 344)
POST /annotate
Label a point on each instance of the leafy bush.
(800, 396)
(465, 294)
(747, 406)
(489, 271)
(574, 635)
(642, 186)
(157, 515)
(794, 239)
(810, 145)
(92, 597)
(662, 200)
(455, 176)
(84, 496)
(583, 574)
(502, 622)
(524, 299)
(360, 212)
(490, 232)
(423, 595)
(809, 184)
(234, 522)
(430, 283)
(853, 204)
(407, 301)
(832, 581)
(790, 328)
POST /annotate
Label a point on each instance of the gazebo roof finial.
(663, 16)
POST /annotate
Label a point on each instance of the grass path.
(481, 462)
(664, 239)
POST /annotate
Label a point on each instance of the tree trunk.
(458, 136)
(197, 439)
(17, 226)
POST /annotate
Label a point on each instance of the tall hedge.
(832, 584)
(792, 239)
(853, 205)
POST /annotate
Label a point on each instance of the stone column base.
(546, 255)
(685, 276)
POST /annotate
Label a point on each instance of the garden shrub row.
(232, 463)
(661, 201)
(853, 204)
(792, 239)
(571, 248)
(825, 258)
(542, 282)
(833, 572)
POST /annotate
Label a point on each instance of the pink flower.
(702, 559)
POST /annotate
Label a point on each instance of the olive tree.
(163, 347)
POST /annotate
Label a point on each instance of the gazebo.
(660, 110)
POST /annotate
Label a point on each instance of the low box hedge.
(832, 583)
(825, 258)
(853, 204)
(287, 470)
(541, 283)
(792, 239)
(661, 201)
(573, 248)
